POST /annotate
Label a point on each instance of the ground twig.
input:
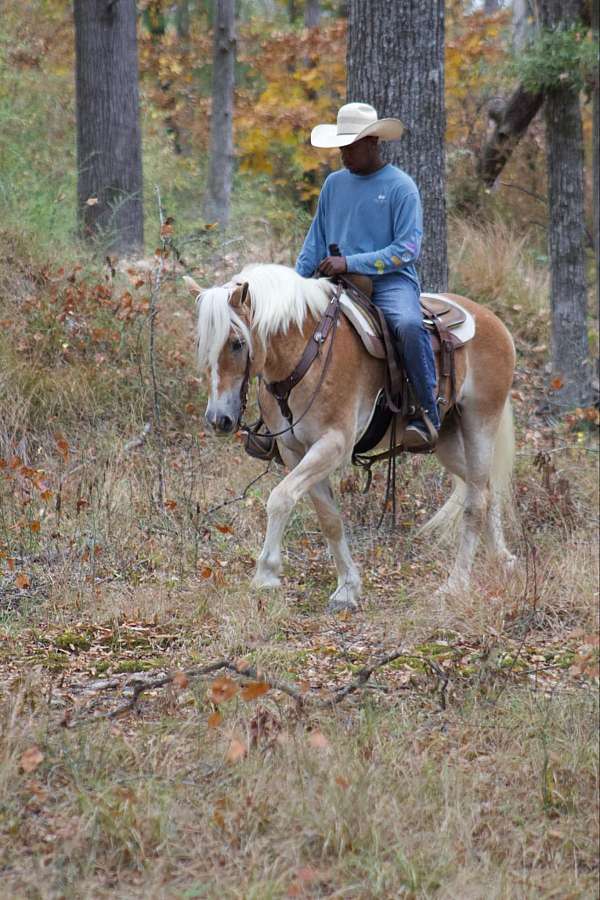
(364, 675)
(140, 685)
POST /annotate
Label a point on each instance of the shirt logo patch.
(380, 198)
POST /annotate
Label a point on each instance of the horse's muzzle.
(221, 422)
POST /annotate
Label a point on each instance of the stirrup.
(420, 440)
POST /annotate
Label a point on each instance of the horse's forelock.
(215, 319)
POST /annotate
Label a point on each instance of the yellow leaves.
(304, 77)
(473, 52)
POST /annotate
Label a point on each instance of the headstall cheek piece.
(281, 390)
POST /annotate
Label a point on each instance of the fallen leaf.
(223, 689)
(22, 581)
(254, 689)
(30, 759)
(215, 719)
(91, 201)
(318, 741)
(180, 680)
(235, 751)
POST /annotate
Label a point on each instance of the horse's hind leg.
(322, 458)
(470, 456)
(467, 453)
(347, 593)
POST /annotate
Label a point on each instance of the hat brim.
(327, 137)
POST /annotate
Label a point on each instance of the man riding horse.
(372, 210)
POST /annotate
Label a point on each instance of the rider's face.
(359, 157)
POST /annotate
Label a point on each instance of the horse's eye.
(236, 344)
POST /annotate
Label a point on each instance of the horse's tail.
(446, 519)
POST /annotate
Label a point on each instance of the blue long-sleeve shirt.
(376, 220)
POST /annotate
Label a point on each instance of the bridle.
(281, 390)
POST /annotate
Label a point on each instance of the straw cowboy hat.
(354, 122)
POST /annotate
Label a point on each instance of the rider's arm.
(314, 248)
(405, 247)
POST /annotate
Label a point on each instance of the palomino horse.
(259, 324)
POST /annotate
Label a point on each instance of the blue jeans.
(399, 303)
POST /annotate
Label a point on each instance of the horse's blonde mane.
(279, 298)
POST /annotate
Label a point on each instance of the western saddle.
(351, 298)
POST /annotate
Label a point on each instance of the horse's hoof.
(265, 582)
(450, 589)
(345, 599)
(338, 606)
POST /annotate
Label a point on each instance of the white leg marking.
(322, 458)
(347, 593)
(478, 454)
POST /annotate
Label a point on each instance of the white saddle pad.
(465, 331)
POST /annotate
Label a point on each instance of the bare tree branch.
(510, 122)
(140, 684)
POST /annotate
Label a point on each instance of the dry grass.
(387, 795)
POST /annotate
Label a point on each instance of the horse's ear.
(192, 286)
(240, 298)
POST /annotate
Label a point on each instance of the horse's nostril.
(225, 423)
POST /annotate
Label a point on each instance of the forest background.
(128, 533)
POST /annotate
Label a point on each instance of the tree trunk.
(216, 206)
(182, 19)
(109, 156)
(566, 229)
(396, 62)
(596, 154)
(491, 6)
(312, 13)
(524, 24)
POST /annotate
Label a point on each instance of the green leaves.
(567, 57)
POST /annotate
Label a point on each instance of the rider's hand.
(332, 265)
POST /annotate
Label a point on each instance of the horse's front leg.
(323, 457)
(347, 593)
